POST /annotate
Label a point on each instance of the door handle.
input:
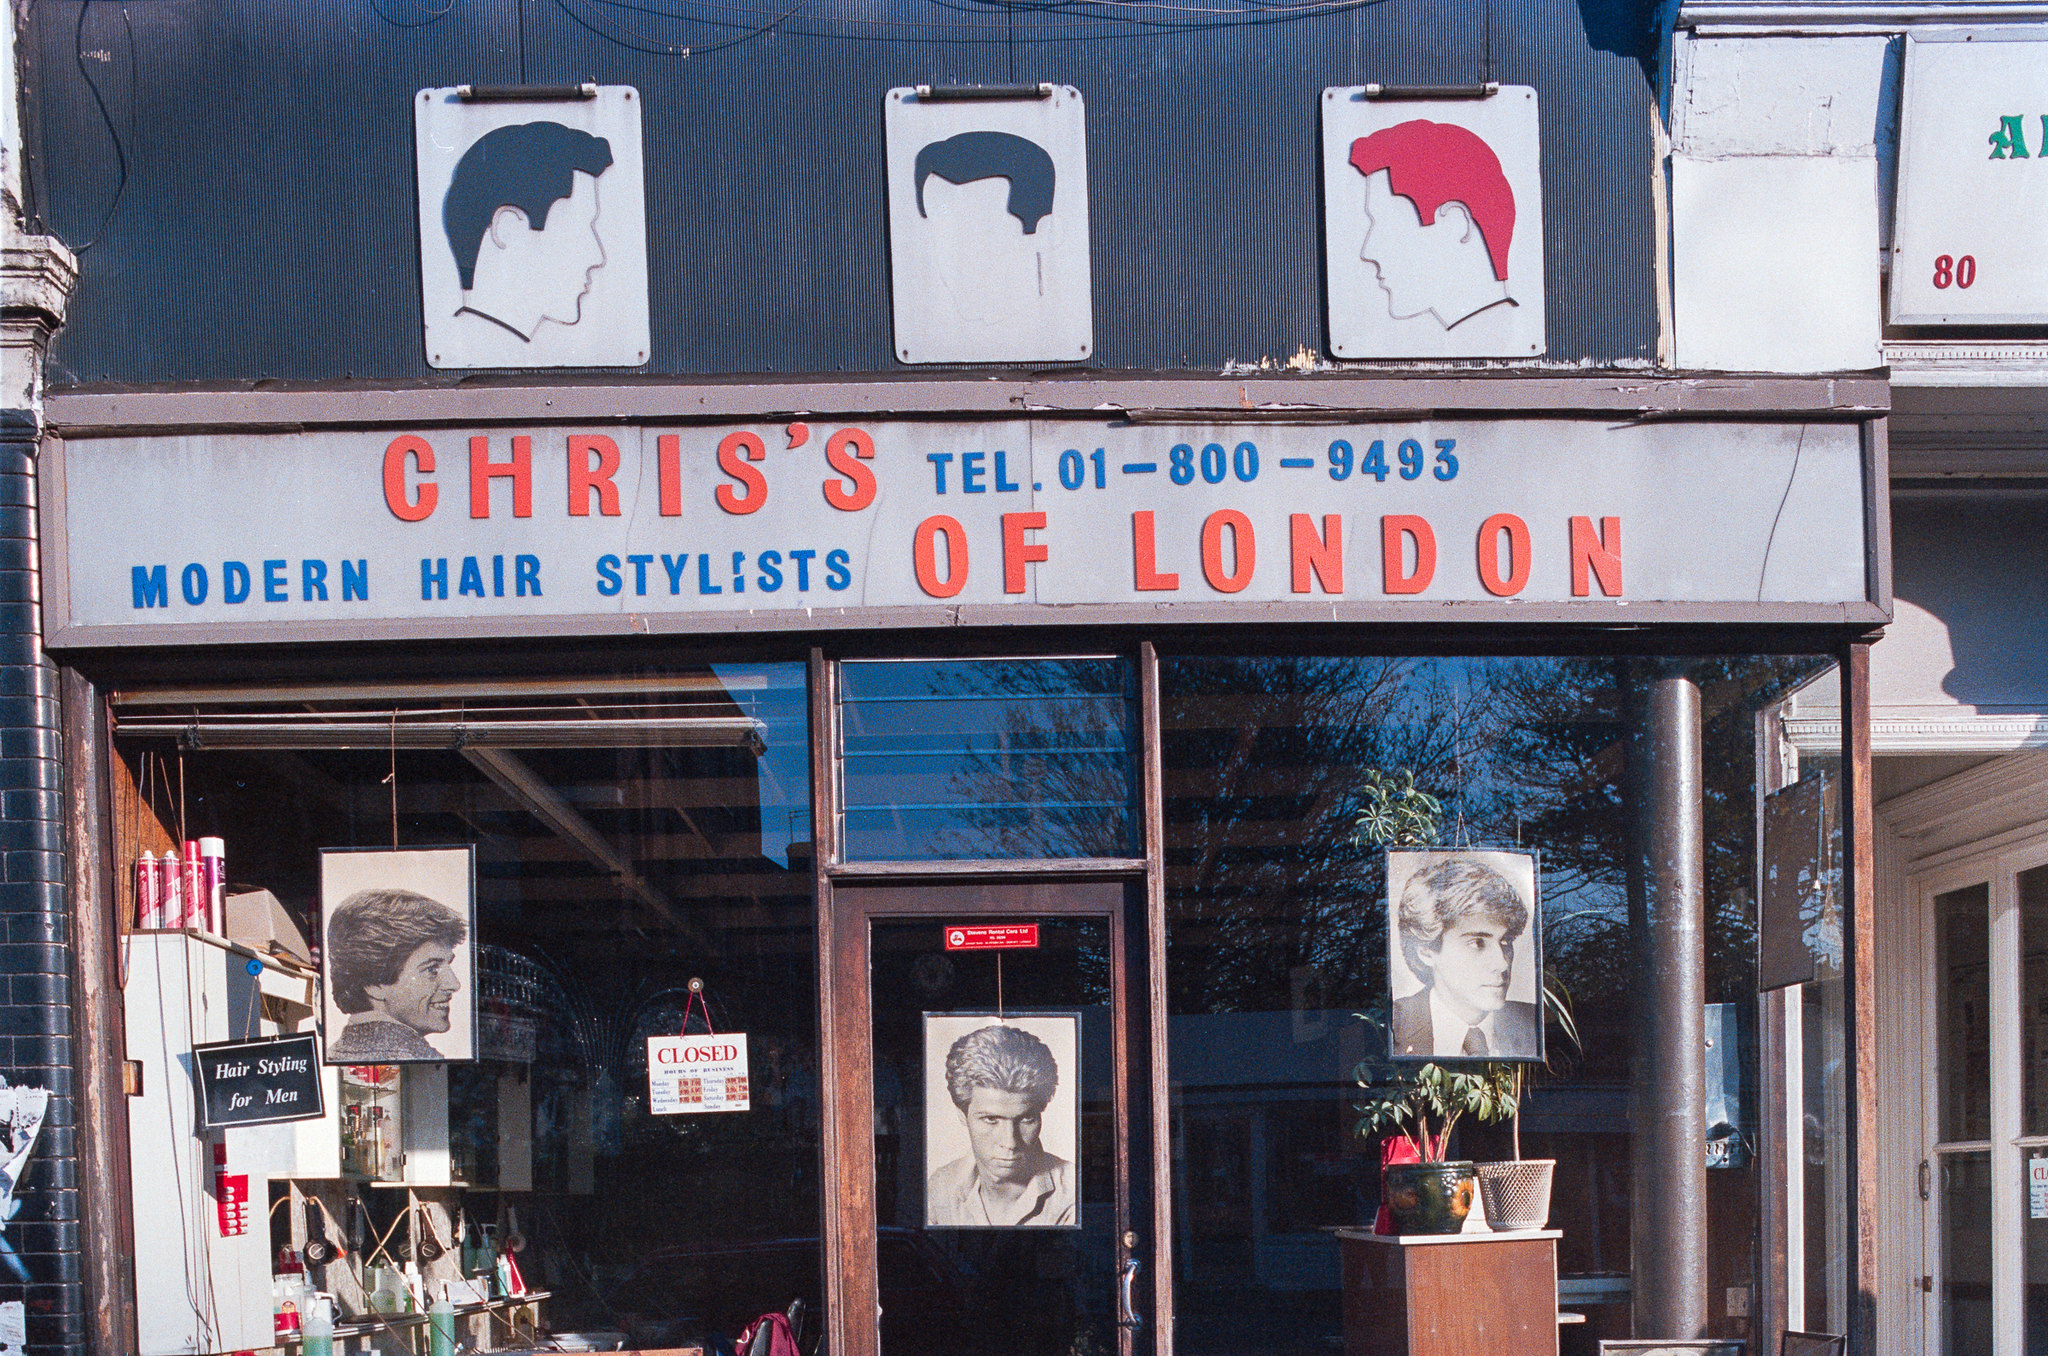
(1924, 1175)
(1128, 1315)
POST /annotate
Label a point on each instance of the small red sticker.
(1012, 937)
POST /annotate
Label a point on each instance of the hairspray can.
(170, 890)
(149, 911)
(193, 888)
(213, 881)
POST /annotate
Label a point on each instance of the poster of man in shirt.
(1002, 1120)
(988, 227)
(533, 229)
(1433, 219)
(1464, 958)
(398, 954)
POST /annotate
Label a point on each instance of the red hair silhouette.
(1432, 163)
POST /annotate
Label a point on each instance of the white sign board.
(1433, 213)
(988, 228)
(1973, 188)
(696, 1073)
(2037, 1188)
(1042, 521)
(533, 230)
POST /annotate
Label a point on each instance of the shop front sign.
(1973, 131)
(263, 1082)
(479, 531)
(697, 1073)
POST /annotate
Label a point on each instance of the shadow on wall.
(1624, 27)
(1978, 568)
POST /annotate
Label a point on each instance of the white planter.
(1517, 1194)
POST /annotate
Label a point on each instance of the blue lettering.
(608, 580)
(193, 582)
(837, 576)
(674, 566)
(704, 584)
(640, 564)
(355, 581)
(313, 580)
(433, 576)
(152, 589)
(275, 589)
(803, 569)
(1004, 485)
(497, 576)
(771, 570)
(525, 573)
(938, 461)
(472, 577)
(971, 472)
(234, 582)
(739, 578)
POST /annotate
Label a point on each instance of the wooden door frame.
(845, 1050)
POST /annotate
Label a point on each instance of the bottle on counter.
(316, 1325)
(441, 1325)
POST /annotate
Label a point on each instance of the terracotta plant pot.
(1428, 1198)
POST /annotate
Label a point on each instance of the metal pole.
(1668, 1192)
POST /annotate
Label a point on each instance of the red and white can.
(213, 883)
(170, 885)
(149, 904)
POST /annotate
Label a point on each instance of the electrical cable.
(433, 17)
(113, 133)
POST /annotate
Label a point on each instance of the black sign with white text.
(259, 1082)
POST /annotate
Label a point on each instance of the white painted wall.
(1775, 202)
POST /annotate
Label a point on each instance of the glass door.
(1984, 1180)
(1001, 1069)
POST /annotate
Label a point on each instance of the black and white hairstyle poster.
(1002, 1120)
(988, 228)
(398, 954)
(533, 230)
(1464, 955)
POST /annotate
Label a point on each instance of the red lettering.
(863, 491)
(1145, 559)
(1396, 530)
(1323, 556)
(1489, 555)
(730, 449)
(1243, 550)
(1592, 555)
(583, 477)
(404, 507)
(1017, 552)
(924, 551)
(482, 470)
(668, 450)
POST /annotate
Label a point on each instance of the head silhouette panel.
(973, 156)
(531, 167)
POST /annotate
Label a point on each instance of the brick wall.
(35, 949)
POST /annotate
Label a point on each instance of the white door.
(1985, 946)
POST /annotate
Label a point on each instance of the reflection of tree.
(1053, 777)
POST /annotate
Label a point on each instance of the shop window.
(987, 758)
(1281, 980)
(630, 834)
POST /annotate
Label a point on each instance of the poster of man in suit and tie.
(1464, 958)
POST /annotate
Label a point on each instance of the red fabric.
(781, 1341)
(1393, 1149)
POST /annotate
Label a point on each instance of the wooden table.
(1479, 1294)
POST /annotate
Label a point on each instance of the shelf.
(389, 1322)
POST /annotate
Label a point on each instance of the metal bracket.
(1485, 91)
(522, 94)
(938, 94)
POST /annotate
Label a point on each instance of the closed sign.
(696, 1073)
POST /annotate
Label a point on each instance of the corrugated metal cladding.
(246, 203)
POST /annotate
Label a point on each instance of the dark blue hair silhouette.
(531, 167)
(993, 155)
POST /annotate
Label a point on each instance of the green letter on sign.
(2010, 140)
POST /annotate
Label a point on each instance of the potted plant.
(1516, 1193)
(1430, 1195)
